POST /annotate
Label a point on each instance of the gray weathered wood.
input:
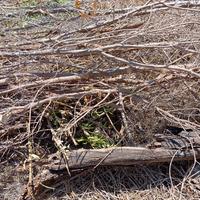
(182, 147)
(166, 148)
(124, 156)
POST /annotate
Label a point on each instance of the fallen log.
(123, 156)
(166, 148)
(185, 146)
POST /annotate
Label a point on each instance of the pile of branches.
(96, 76)
(127, 71)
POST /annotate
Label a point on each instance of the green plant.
(88, 126)
(101, 112)
(55, 119)
(95, 141)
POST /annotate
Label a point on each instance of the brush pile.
(96, 76)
